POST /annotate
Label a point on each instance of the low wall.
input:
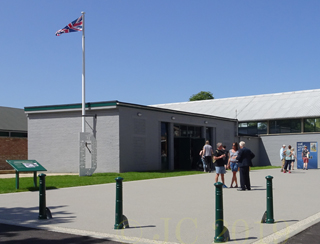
(12, 148)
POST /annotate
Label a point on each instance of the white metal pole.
(83, 77)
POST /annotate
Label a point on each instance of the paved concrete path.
(175, 210)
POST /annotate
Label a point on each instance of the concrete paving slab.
(175, 210)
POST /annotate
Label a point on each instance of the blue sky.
(157, 51)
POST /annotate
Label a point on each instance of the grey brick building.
(129, 137)
(133, 137)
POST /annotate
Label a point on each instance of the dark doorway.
(182, 159)
(186, 152)
(196, 146)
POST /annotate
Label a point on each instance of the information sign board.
(26, 166)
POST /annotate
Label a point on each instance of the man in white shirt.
(207, 153)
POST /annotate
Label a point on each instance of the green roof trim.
(70, 106)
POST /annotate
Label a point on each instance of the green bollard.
(220, 230)
(119, 218)
(42, 197)
(269, 217)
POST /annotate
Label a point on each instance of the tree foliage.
(203, 95)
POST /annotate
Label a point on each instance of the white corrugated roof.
(298, 104)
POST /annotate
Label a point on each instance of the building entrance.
(186, 152)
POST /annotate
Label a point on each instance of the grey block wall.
(140, 136)
(253, 143)
(272, 144)
(53, 140)
(267, 147)
(125, 141)
(139, 140)
(108, 146)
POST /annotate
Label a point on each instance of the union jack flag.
(74, 26)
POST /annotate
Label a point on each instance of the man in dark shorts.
(219, 156)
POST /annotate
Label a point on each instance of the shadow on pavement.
(243, 239)
(284, 221)
(11, 234)
(30, 215)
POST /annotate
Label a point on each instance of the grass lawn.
(265, 167)
(61, 181)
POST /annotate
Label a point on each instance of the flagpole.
(83, 77)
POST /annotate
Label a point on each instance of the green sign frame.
(26, 166)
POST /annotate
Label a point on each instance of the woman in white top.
(233, 163)
(293, 157)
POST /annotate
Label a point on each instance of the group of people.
(236, 159)
(288, 157)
